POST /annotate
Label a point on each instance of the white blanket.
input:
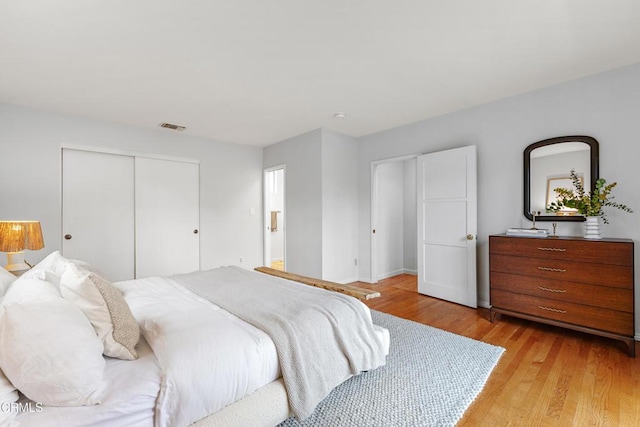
(209, 358)
(322, 337)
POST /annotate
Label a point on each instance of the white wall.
(409, 221)
(605, 106)
(389, 219)
(339, 207)
(396, 225)
(302, 156)
(230, 190)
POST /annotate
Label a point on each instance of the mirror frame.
(595, 160)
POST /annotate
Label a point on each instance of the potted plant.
(589, 205)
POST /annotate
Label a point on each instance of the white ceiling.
(257, 72)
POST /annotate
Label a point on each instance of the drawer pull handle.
(555, 310)
(553, 249)
(558, 270)
(542, 288)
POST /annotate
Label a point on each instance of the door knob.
(195, 231)
(374, 231)
(469, 237)
(67, 236)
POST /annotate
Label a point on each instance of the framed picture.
(560, 182)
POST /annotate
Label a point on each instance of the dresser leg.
(492, 315)
(631, 344)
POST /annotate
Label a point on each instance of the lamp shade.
(16, 236)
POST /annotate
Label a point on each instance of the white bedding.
(210, 357)
(321, 337)
(195, 359)
(202, 339)
(132, 389)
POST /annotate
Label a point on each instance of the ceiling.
(256, 72)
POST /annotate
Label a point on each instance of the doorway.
(444, 235)
(274, 218)
(394, 238)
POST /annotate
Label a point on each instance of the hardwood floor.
(278, 265)
(548, 376)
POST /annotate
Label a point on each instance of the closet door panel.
(98, 211)
(167, 206)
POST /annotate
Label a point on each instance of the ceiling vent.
(172, 126)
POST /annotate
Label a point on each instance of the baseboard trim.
(484, 304)
(396, 272)
(390, 274)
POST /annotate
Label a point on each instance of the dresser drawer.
(598, 252)
(552, 269)
(618, 299)
(577, 314)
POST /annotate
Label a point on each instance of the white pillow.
(6, 279)
(48, 348)
(106, 309)
(52, 267)
(49, 269)
(26, 290)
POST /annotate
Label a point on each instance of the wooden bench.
(354, 291)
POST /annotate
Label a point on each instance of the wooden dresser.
(585, 285)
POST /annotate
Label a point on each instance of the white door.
(98, 211)
(167, 224)
(447, 225)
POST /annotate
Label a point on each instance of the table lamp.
(15, 236)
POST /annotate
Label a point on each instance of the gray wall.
(339, 207)
(410, 231)
(302, 156)
(230, 189)
(605, 106)
(321, 203)
(396, 233)
(389, 219)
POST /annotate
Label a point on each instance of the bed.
(193, 360)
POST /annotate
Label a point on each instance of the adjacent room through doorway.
(274, 190)
(394, 218)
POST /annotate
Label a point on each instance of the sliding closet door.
(98, 211)
(167, 209)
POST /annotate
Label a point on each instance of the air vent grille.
(172, 126)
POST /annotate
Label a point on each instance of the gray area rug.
(430, 379)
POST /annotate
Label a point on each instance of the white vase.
(592, 227)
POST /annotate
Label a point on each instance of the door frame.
(266, 223)
(373, 209)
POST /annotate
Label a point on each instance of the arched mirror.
(547, 165)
